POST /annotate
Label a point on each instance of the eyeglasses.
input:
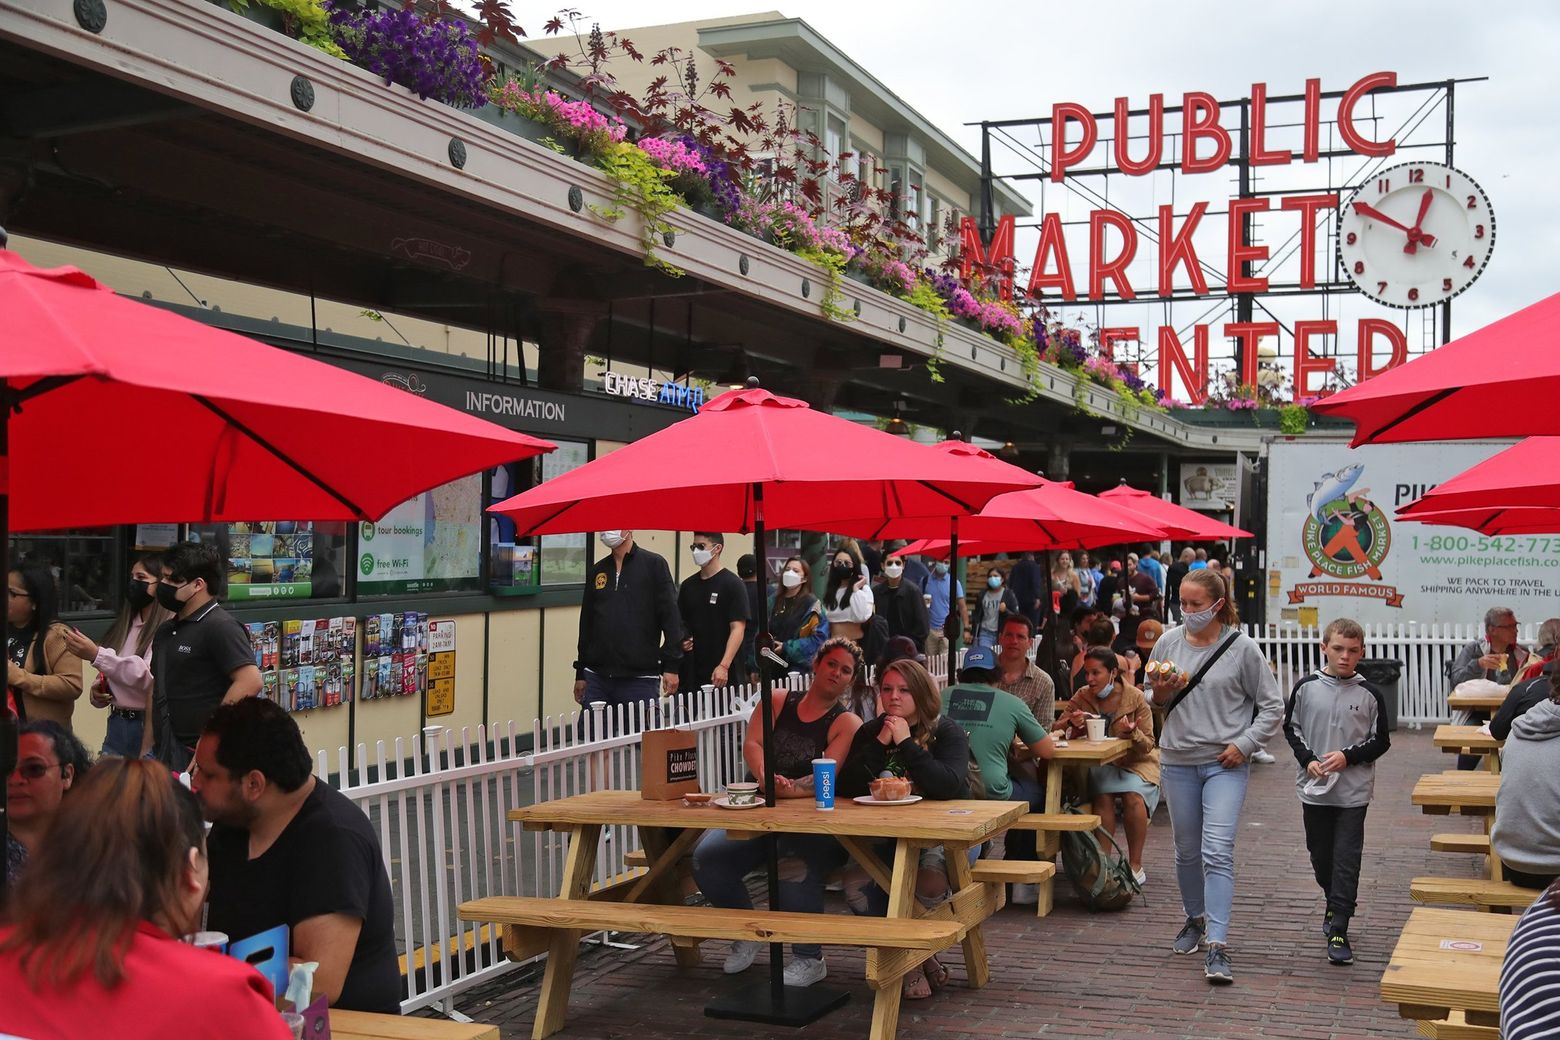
(36, 770)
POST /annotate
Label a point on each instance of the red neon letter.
(1312, 148)
(1307, 363)
(1249, 334)
(1200, 119)
(1309, 206)
(975, 260)
(1062, 156)
(1352, 137)
(1257, 146)
(1237, 280)
(1156, 136)
(1114, 334)
(1176, 248)
(1053, 243)
(1172, 362)
(1370, 328)
(1115, 269)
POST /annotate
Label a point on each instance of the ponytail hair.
(1218, 588)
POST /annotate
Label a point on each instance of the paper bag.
(670, 763)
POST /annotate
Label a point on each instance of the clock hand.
(1416, 237)
(1376, 214)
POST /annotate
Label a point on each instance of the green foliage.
(832, 265)
(1293, 419)
(923, 296)
(306, 20)
(640, 185)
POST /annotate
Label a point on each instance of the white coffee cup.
(741, 793)
(1095, 728)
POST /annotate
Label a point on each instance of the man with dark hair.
(900, 603)
(286, 848)
(630, 647)
(1028, 583)
(714, 607)
(747, 570)
(203, 657)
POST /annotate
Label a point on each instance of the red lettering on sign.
(1311, 149)
(1062, 156)
(1258, 149)
(1109, 337)
(1247, 334)
(1176, 248)
(1356, 141)
(1052, 247)
(977, 263)
(1240, 251)
(1156, 134)
(1370, 328)
(1306, 363)
(1309, 206)
(1115, 269)
(1173, 362)
(1200, 121)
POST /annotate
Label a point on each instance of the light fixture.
(736, 376)
(1009, 449)
(897, 425)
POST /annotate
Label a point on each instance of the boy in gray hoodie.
(1336, 723)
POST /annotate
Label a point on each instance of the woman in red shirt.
(96, 920)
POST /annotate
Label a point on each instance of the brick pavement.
(1075, 974)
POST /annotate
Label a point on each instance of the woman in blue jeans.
(124, 660)
(807, 725)
(1204, 749)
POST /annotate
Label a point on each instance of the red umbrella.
(1514, 492)
(246, 429)
(1497, 520)
(1187, 525)
(1500, 381)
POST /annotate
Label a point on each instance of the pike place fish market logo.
(428, 251)
(1346, 538)
(410, 383)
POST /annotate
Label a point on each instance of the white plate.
(867, 799)
(724, 803)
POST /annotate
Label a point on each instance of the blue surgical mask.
(940, 569)
(1106, 691)
(994, 581)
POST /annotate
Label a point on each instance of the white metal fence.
(1426, 651)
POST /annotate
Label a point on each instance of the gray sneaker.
(740, 958)
(1190, 937)
(1217, 966)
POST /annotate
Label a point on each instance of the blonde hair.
(923, 690)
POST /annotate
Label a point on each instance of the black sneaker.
(1217, 966)
(1327, 924)
(1190, 937)
(1338, 950)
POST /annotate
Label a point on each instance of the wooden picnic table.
(1476, 701)
(1471, 740)
(365, 1025)
(1445, 961)
(670, 830)
(1465, 791)
(1080, 754)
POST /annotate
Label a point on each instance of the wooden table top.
(1457, 789)
(960, 822)
(365, 1025)
(1455, 738)
(1094, 752)
(1424, 974)
(1476, 702)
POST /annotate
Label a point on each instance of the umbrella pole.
(953, 588)
(9, 729)
(771, 1002)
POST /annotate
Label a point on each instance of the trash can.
(1383, 673)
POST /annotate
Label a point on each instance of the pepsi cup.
(824, 772)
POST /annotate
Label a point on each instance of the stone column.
(566, 328)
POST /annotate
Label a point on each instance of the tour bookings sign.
(1413, 235)
(430, 543)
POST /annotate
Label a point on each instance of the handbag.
(1189, 687)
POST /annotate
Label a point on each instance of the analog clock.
(1416, 235)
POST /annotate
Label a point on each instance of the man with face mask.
(945, 593)
(899, 602)
(630, 631)
(713, 604)
(203, 658)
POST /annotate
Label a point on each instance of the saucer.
(867, 799)
(723, 802)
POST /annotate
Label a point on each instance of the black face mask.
(842, 570)
(138, 594)
(168, 597)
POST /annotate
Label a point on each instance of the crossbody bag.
(1213, 658)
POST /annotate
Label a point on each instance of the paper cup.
(1095, 728)
(217, 941)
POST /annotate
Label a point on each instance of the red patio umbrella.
(747, 460)
(1513, 492)
(1187, 525)
(245, 429)
(1500, 381)
(1499, 521)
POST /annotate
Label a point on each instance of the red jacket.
(169, 989)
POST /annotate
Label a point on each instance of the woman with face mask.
(797, 624)
(847, 597)
(1205, 743)
(43, 679)
(123, 661)
(1108, 692)
(995, 603)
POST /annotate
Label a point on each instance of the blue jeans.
(124, 736)
(876, 898)
(618, 691)
(986, 638)
(1205, 803)
(1024, 845)
(720, 863)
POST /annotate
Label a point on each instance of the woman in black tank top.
(807, 725)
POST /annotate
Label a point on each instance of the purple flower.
(435, 59)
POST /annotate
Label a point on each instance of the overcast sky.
(1014, 60)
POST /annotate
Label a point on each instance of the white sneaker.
(1140, 876)
(740, 958)
(1025, 895)
(1261, 755)
(804, 971)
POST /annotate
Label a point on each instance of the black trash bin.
(1384, 673)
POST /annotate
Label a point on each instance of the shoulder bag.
(1189, 687)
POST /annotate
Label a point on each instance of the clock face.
(1416, 235)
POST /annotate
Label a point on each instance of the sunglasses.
(36, 770)
(699, 546)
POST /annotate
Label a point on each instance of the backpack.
(1102, 879)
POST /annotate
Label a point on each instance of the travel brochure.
(271, 559)
(312, 663)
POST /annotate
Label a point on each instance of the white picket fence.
(1426, 651)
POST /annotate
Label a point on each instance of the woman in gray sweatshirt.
(1526, 834)
(1207, 740)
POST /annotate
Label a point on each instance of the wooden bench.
(1479, 892)
(1478, 844)
(1455, 1027)
(1056, 822)
(1012, 871)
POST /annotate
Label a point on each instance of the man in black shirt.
(286, 848)
(713, 604)
(1029, 585)
(629, 627)
(1177, 570)
(900, 603)
(204, 658)
(747, 570)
